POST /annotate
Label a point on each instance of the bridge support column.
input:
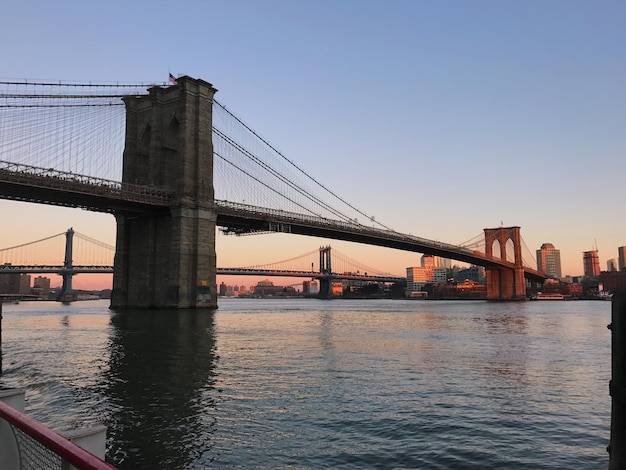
(168, 260)
(67, 293)
(505, 283)
(326, 281)
(326, 288)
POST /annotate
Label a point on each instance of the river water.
(308, 384)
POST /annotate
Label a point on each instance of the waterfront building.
(310, 288)
(24, 284)
(473, 273)
(223, 289)
(554, 286)
(611, 265)
(336, 288)
(471, 289)
(454, 273)
(266, 287)
(591, 263)
(432, 261)
(441, 275)
(6, 282)
(15, 283)
(549, 260)
(621, 261)
(417, 277)
(613, 280)
(41, 286)
(428, 261)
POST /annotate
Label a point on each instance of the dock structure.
(617, 385)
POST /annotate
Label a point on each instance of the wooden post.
(617, 385)
(0, 336)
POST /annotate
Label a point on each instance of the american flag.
(173, 80)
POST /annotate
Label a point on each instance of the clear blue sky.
(440, 118)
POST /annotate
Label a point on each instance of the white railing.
(27, 444)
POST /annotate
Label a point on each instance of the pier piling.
(617, 385)
(0, 336)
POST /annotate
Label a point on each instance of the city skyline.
(438, 119)
(547, 252)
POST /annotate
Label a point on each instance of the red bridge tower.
(505, 283)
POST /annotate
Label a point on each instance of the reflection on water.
(159, 363)
(147, 375)
(315, 384)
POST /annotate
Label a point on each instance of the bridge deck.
(48, 186)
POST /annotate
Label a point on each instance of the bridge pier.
(326, 281)
(326, 288)
(67, 293)
(167, 259)
(505, 283)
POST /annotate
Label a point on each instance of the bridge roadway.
(28, 183)
(48, 186)
(41, 269)
(242, 218)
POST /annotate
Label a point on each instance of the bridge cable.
(94, 241)
(261, 182)
(282, 178)
(346, 259)
(80, 85)
(297, 167)
(32, 243)
(296, 258)
(528, 252)
(480, 238)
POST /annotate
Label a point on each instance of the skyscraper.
(428, 261)
(549, 260)
(591, 263)
(611, 265)
(621, 259)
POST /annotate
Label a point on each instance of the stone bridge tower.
(168, 260)
(505, 283)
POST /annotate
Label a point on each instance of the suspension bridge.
(173, 164)
(70, 253)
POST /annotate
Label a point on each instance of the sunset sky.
(439, 118)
